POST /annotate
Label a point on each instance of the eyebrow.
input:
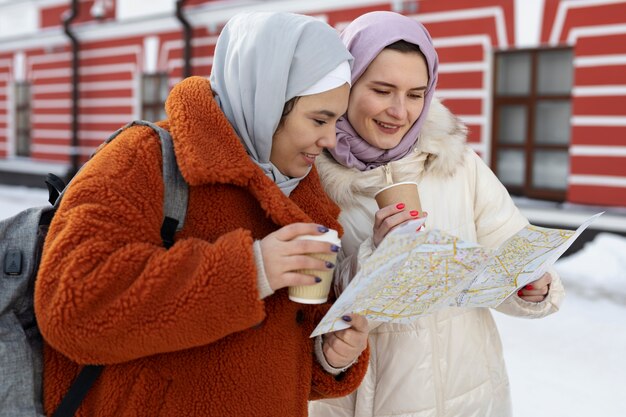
(389, 85)
(327, 113)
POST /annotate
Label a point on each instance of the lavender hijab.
(261, 61)
(365, 38)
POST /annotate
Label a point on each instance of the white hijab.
(262, 60)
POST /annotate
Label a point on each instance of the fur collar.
(207, 147)
(438, 152)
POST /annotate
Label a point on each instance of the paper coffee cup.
(401, 192)
(317, 293)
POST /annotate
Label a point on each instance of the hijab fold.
(365, 38)
(261, 61)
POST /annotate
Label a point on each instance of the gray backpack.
(21, 242)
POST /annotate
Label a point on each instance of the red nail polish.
(519, 293)
(400, 206)
(530, 287)
(414, 213)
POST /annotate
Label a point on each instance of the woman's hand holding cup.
(398, 203)
(284, 256)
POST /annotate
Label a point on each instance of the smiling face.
(307, 130)
(389, 97)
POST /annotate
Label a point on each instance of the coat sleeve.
(108, 291)
(325, 385)
(497, 218)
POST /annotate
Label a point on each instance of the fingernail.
(334, 248)
(519, 293)
(346, 318)
(530, 287)
(318, 279)
(400, 206)
(414, 213)
(322, 229)
(330, 265)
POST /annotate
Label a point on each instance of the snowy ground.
(571, 364)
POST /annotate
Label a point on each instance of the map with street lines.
(411, 273)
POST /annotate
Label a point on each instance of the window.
(531, 121)
(22, 119)
(154, 92)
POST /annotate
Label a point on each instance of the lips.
(310, 157)
(387, 127)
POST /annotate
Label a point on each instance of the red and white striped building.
(541, 84)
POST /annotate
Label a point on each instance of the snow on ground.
(570, 364)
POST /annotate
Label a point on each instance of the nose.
(329, 139)
(397, 108)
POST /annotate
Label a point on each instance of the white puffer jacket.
(449, 363)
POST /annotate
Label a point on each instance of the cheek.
(361, 109)
(417, 111)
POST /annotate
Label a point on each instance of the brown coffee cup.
(401, 192)
(317, 293)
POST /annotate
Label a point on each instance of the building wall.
(597, 32)
(128, 41)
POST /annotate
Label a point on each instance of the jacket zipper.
(388, 176)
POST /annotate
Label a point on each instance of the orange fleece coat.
(182, 332)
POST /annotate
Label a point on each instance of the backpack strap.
(176, 190)
(176, 194)
(78, 391)
(55, 187)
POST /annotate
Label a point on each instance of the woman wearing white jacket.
(449, 363)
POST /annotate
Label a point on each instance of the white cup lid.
(393, 185)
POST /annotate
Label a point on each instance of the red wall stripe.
(465, 107)
(598, 165)
(597, 195)
(460, 80)
(599, 106)
(601, 75)
(452, 54)
(599, 135)
(602, 14)
(601, 45)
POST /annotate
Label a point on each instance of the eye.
(415, 96)
(319, 122)
(381, 92)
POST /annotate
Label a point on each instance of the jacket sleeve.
(326, 385)
(497, 219)
(516, 306)
(108, 291)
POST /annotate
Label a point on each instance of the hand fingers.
(293, 230)
(358, 322)
(543, 281)
(304, 246)
(535, 295)
(385, 212)
(539, 286)
(299, 262)
(293, 279)
(534, 298)
(335, 358)
(391, 211)
(386, 224)
(356, 335)
(534, 291)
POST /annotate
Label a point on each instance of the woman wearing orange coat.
(205, 328)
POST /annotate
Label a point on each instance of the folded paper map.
(411, 274)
